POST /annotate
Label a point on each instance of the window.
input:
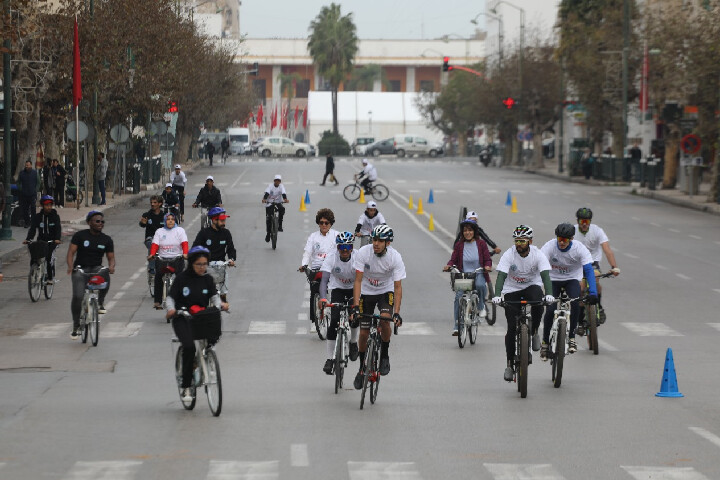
(427, 86)
(285, 141)
(420, 141)
(274, 140)
(260, 88)
(394, 86)
(302, 87)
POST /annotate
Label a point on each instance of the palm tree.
(333, 44)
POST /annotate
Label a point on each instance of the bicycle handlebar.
(79, 269)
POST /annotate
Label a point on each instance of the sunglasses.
(98, 221)
(521, 241)
(323, 222)
(344, 247)
(563, 239)
(584, 221)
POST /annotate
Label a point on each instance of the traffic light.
(172, 106)
(255, 69)
(509, 102)
(446, 67)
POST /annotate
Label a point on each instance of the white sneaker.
(483, 313)
(187, 395)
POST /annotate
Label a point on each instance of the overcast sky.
(407, 19)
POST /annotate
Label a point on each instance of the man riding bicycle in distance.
(91, 246)
(171, 199)
(569, 261)
(47, 224)
(319, 244)
(218, 240)
(368, 220)
(594, 238)
(209, 195)
(275, 194)
(339, 275)
(379, 271)
(151, 221)
(370, 174)
(522, 271)
(178, 181)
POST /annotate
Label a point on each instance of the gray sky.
(407, 19)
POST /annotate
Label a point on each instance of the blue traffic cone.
(669, 386)
(307, 197)
(508, 202)
(430, 198)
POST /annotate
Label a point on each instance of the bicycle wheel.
(151, 283)
(84, 322)
(48, 287)
(321, 321)
(490, 308)
(34, 282)
(375, 384)
(178, 376)
(351, 192)
(559, 353)
(367, 370)
(274, 233)
(380, 192)
(462, 328)
(213, 384)
(166, 290)
(591, 315)
(339, 360)
(93, 324)
(474, 323)
(523, 370)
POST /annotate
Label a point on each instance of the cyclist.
(368, 220)
(338, 274)
(594, 238)
(209, 195)
(171, 199)
(91, 246)
(170, 243)
(151, 221)
(317, 247)
(370, 174)
(179, 180)
(275, 194)
(47, 224)
(224, 147)
(471, 215)
(569, 261)
(218, 240)
(192, 288)
(379, 271)
(475, 256)
(526, 269)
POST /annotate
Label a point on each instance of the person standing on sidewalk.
(101, 174)
(329, 169)
(28, 182)
(58, 174)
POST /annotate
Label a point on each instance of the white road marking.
(541, 192)
(414, 191)
(516, 471)
(491, 191)
(490, 331)
(300, 331)
(716, 290)
(109, 305)
(707, 435)
(135, 275)
(695, 237)
(299, 455)
(717, 242)
(664, 473)
(109, 470)
(126, 285)
(416, 328)
(655, 224)
(651, 329)
(445, 182)
(266, 328)
(635, 218)
(383, 471)
(716, 326)
(674, 230)
(306, 304)
(303, 316)
(465, 191)
(120, 329)
(118, 295)
(233, 470)
(630, 255)
(661, 267)
(47, 330)
(107, 330)
(606, 346)
(400, 181)
(422, 181)
(421, 226)
(441, 191)
(239, 178)
(684, 277)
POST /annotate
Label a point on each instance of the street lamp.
(370, 122)
(446, 38)
(440, 54)
(499, 19)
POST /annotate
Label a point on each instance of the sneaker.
(384, 366)
(187, 395)
(508, 375)
(529, 358)
(50, 281)
(544, 352)
(535, 342)
(455, 332)
(354, 352)
(328, 368)
(74, 335)
(322, 184)
(357, 383)
(573, 346)
(101, 308)
(267, 238)
(157, 306)
(580, 329)
(601, 316)
(280, 229)
(483, 313)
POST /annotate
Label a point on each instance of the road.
(72, 412)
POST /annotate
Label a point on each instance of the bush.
(335, 144)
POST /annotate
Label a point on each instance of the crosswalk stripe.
(234, 470)
(303, 316)
(651, 329)
(416, 328)
(664, 473)
(120, 329)
(299, 455)
(105, 470)
(383, 471)
(716, 326)
(490, 331)
(517, 471)
(47, 330)
(709, 436)
(266, 328)
(107, 330)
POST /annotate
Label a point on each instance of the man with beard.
(218, 240)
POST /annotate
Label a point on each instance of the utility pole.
(96, 187)
(561, 144)
(6, 232)
(625, 53)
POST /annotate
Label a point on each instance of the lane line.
(684, 277)
(707, 435)
(651, 329)
(674, 230)
(607, 346)
(696, 237)
(109, 305)
(126, 285)
(716, 326)
(266, 328)
(299, 455)
(229, 469)
(421, 226)
(661, 267)
(119, 295)
(515, 471)
(666, 473)
(630, 255)
(106, 470)
(716, 290)
(135, 276)
(239, 178)
(655, 224)
(383, 471)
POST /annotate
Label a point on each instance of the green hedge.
(335, 144)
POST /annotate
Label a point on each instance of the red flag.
(305, 118)
(273, 122)
(296, 116)
(259, 116)
(644, 82)
(284, 117)
(77, 83)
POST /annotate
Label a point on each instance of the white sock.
(354, 333)
(330, 345)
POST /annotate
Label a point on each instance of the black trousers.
(329, 172)
(572, 287)
(183, 332)
(531, 293)
(181, 195)
(79, 280)
(27, 207)
(269, 216)
(177, 263)
(338, 296)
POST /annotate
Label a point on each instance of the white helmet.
(365, 161)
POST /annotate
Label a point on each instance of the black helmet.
(565, 230)
(584, 213)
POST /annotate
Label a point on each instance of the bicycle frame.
(219, 267)
(562, 312)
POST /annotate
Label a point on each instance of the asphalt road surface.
(72, 411)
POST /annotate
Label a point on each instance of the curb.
(711, 208)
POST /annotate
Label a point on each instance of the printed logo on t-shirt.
(513, 267)
(101, 246)
(222, 242)
(42, 224)
(150, 221)
(205, 291)
(336, 269)
(208, 242)
(86, 243)
(186, 291)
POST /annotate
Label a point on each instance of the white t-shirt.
(275, 194)
(170, 241)
(342, 274)
(522, 271)
(370, 172)
(178, 179)
(566, 265)
(379, 273)
(367, 224)
(317, 247)
(593, 240)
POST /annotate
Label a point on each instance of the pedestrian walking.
(28, 182)
(329, 169)
(210, 150)
(101, 175)
(58, 174)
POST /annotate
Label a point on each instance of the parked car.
(312, 151)
(282, 146)
(239, 141)
(405, 144)
(359, 146)
(254, 145)
(381, 147)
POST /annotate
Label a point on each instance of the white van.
(409, 144)
(239, 141)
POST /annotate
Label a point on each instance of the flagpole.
(77, 135)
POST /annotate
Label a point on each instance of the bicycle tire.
(375, 385)
(274, 233)
(339, 366)
(367, 370)
(559, 353)
(462, 327)
(321, 321)
(380, 192)
(490, 308)
(351, 192)
(591, 314)
(474, 323)
(48, 287)
(151, 283)
(83, 323)
(178, 376)
(523, 354)
(34, 279)
(94, 324)
(213, 384)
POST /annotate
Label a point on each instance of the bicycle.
(342, 342)
(378, 191)
(274, 224)
(365, 239)
(150, 275)
(205, 221)
(225, 155)
(560, 336)
(37, 278)
(89, 316)
(175, 210)
(320, 321)
(468, 314)
(371, 367)
(218, 270)
(207, 329)
(522, 343)
(589, 318)
(168, 277)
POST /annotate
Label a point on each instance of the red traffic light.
(446, 66)
(509, 102)
(172, 107)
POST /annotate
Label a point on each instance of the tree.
(333, 44)
(363, 78)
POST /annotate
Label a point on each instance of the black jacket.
(219, 242)
(155, 221)
(329, 164)
(208, 198)
(48, 226)
(171, 198)
(189, 289)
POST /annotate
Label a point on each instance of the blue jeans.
(151, 263)
(481, 288)
(101, 186)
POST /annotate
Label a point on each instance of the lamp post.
(625, 53)
(499, 19)
(6, 232)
